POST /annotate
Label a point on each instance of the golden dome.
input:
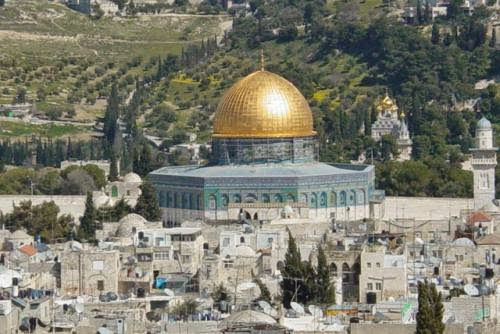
(387, 103)
(263, 105)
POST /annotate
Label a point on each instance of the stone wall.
(398, 328)
(424, 208)
(73, 205)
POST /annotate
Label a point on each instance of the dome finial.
(262, 59)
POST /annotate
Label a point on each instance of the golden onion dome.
(263, 105)
(387, 104)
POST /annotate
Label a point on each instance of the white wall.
(73, 205)
(422, 208)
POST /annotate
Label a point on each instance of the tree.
(435, 38)
(427, 12)
(220, 293)
(420, 18)
(424, 316)
(20, 96)
(493, 40)
(265, 294)
(111, 115)
(325, 289)
(87, 228)
(430, 310)
(298, 276)
(113, 169)
(147, 204)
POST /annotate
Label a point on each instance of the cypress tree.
(419, 12)
(427, 12)
(292, 272)
(111, 115)
(425, 317)
(87, 228)
(147, 204)
(437, 309)
(493, 40)
(113, 169)
(325, 292)
(435, 38)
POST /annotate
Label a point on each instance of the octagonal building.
(265, 164)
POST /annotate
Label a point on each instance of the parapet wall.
(425, 208)
(73, 205)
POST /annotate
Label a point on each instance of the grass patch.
(19, 129)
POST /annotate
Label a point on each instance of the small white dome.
(132, 178)
(128, 224)
(244, 251)
(484, 124)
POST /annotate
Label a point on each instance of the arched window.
(265, 198)
(169, 199)
(225, 200)
(212, 202)
(242, 240)
(162, 198)
(236, 198)
(303, 198)
(333, 268)
(192, 204)
(185, 201)
(278, 198)
(352, 197)
(250, 198)
(114, 191)
(322, 200)
(361, 197)
(290, 198)
(343, 198)
(314, 200)
(345, 272)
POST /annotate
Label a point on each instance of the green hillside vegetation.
(67, 60)
(343, 63)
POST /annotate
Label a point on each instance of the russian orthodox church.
(389, 122)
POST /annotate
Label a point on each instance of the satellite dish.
(169, 292)
(315, 311)
(267, 308)
(79, 308)
(471, 290)
(297, 308)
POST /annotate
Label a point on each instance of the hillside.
(66, 60)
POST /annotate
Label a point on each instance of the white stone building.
(484, 160)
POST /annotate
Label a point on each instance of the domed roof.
(484, 124)
(132, 178)
(244, 251)
(263, 105)
(128, 224)
(247, 317)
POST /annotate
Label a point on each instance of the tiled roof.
(28, 250)
(490, 239)
(478, 217)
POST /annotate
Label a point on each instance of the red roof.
(28, 250)
(478, 217)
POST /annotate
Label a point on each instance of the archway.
(248, 216)
(256, 216)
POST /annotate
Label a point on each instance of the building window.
(378, 264)
(100, 285)
(242, 240)
(369, 286)
(98, 265)
(369, 264)
(161, 256)
(186, 258)
(378, 286)
(225, 242)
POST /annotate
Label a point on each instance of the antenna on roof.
(262, 59)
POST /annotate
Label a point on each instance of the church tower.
(484, 160)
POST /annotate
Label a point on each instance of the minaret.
(484, 160)
(404, 141)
